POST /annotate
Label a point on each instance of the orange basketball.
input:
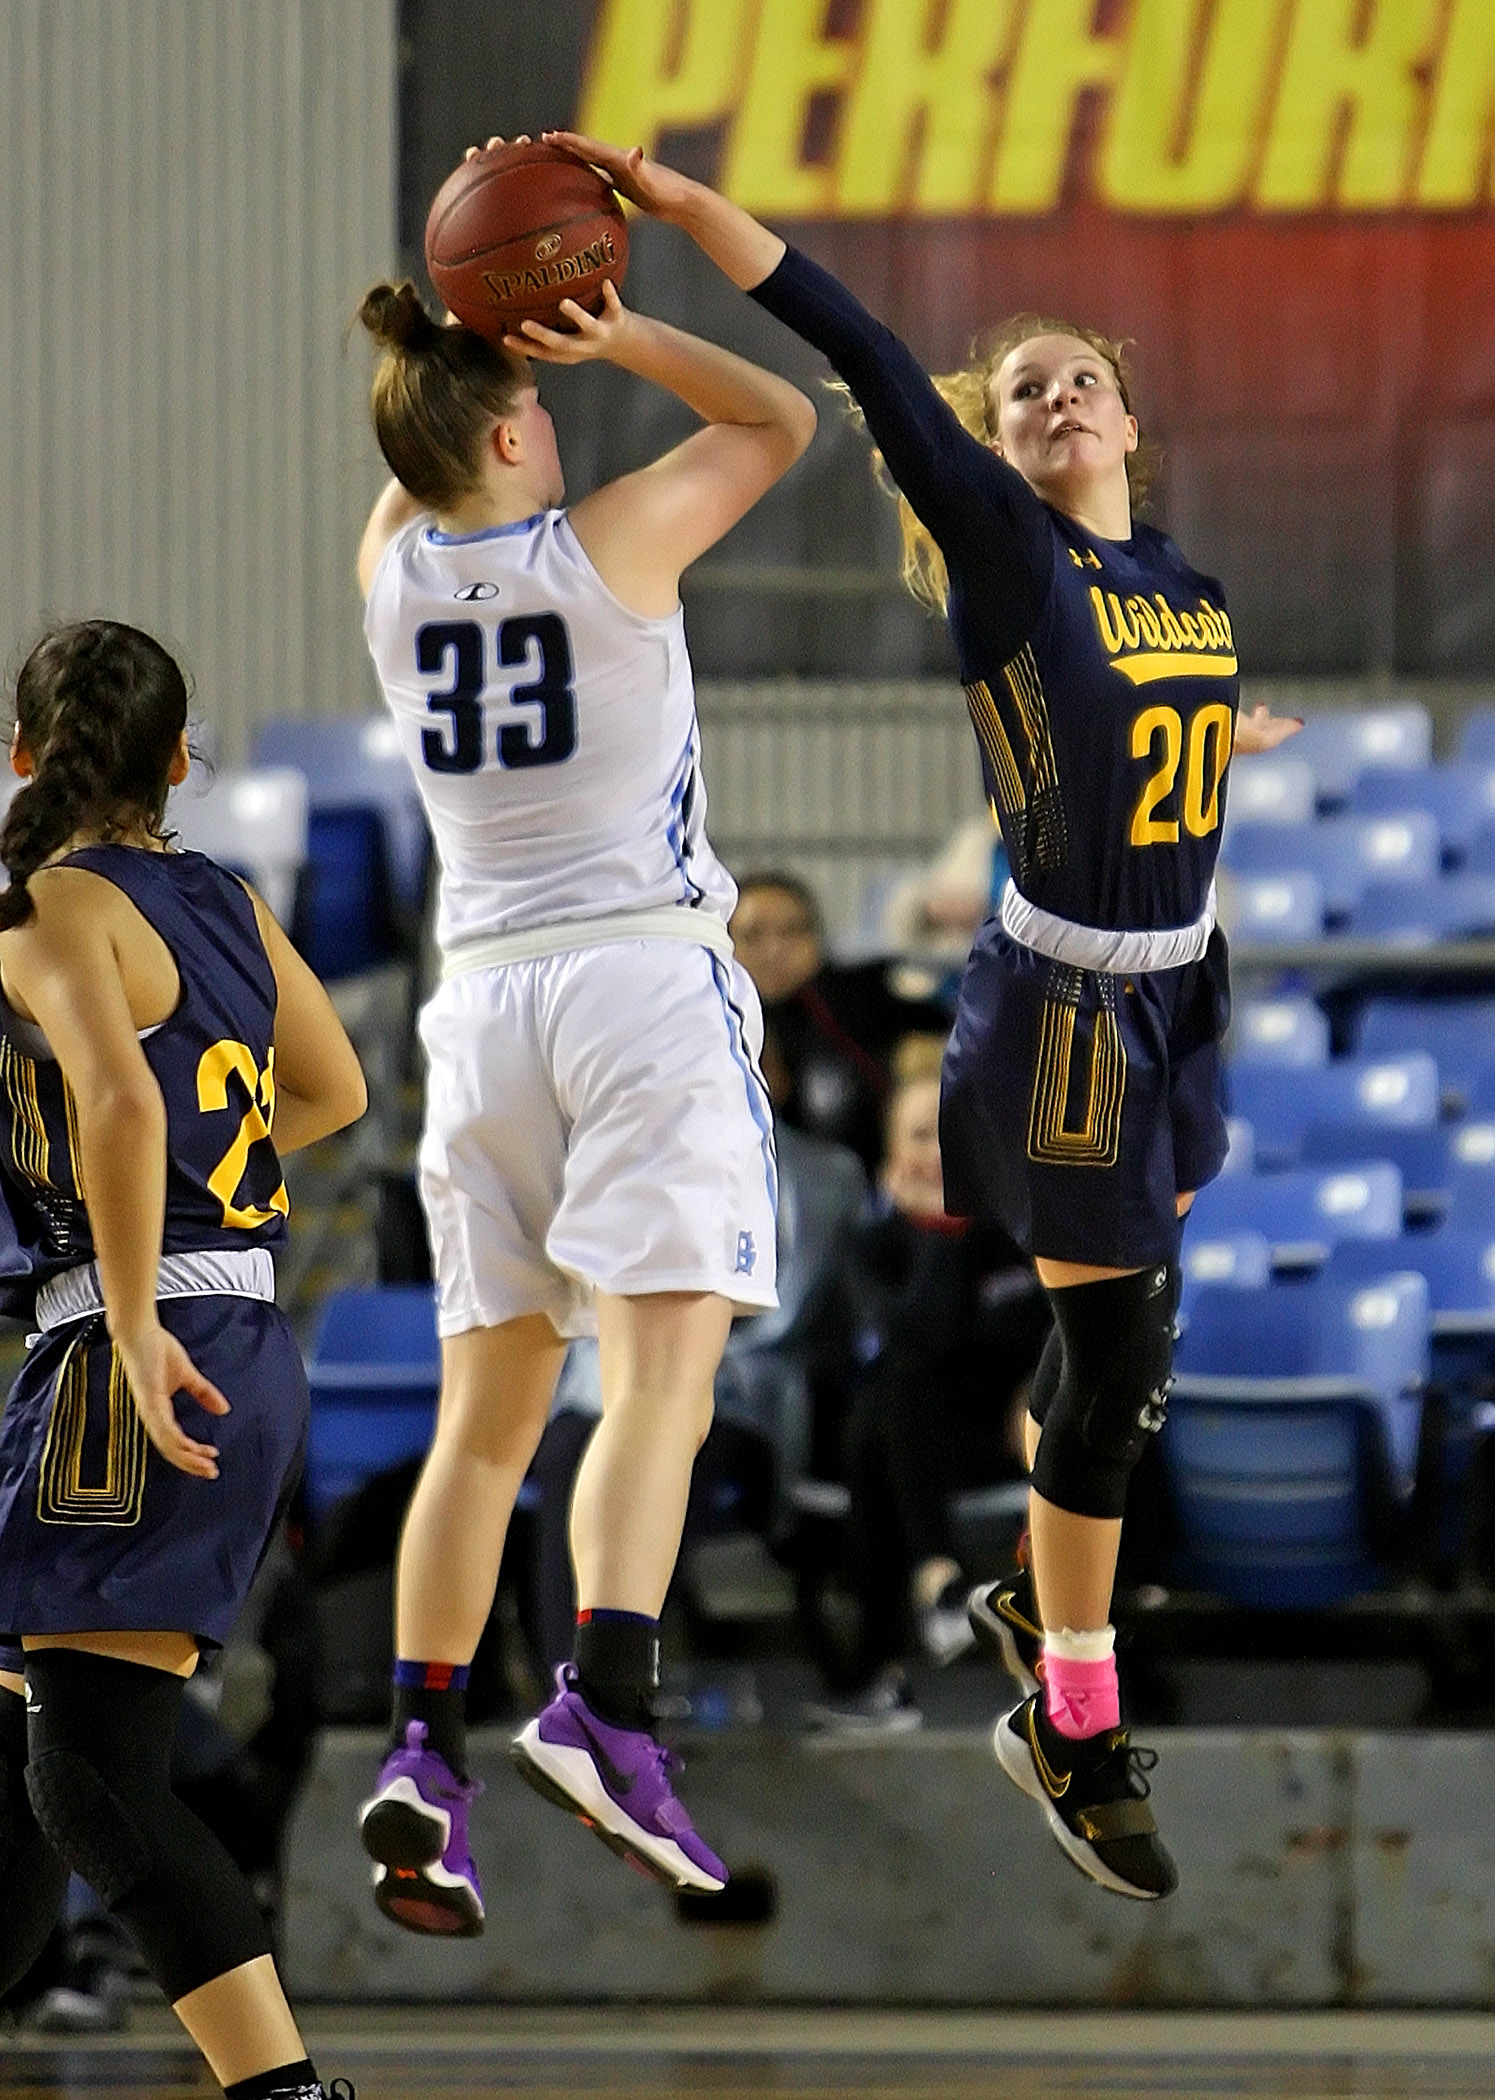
(515, 230)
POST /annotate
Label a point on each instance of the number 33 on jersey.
(551, 732)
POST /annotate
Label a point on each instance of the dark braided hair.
(101, 708)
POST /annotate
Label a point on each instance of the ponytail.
(436, 394)
(100, 708)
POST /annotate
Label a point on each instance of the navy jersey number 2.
(459, 648)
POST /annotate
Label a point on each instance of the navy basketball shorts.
(98, 1534)
(1076, 1106)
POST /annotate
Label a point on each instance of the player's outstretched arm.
(61, 962)
(967, 497)
(1262, 731)
(740, 247)
(392, 512)
(642, 530)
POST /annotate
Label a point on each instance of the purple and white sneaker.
(414, 1828)
(616, 1780)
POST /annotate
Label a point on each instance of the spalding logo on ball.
(517, 229)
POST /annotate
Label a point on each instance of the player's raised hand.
(587, 335)
(647, 183)
(1261, 731)
(158, 1368)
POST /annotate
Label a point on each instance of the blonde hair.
(916, 1060)
(968, 393)
(435, 394)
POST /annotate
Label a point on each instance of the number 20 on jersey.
(458, 650)
(1158, 735)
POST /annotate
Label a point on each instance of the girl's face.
(911, 1175)
(1060, 417)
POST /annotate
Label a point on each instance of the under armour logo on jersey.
(747, 1254)
(473, 591)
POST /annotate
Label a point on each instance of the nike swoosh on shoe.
(615, 1781)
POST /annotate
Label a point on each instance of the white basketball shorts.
(596, 1121)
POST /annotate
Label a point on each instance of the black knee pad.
(1112, 1392)
(99, 1780)
(32, 1877)
(87, 1825)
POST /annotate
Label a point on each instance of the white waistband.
(1099, 947)
(669, 922)
(234, 1272)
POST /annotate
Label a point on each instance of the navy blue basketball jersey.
(214, 1059)
(1100, 674)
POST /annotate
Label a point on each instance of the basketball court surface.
(393, 2054)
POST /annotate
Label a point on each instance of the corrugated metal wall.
(195, 194)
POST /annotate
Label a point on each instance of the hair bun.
(395, 317)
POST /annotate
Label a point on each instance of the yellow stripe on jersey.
(1097, 1140)
(28, 1130)
(1147, 670)
(992, 738)
(61, 1496)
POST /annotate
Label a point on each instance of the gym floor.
(393, 2054)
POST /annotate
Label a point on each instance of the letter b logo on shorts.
(747, 1254)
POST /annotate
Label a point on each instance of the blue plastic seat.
(1277, 907)
(1340, 746)
(1460, 797)
(1399, 1093)
(1471, 1176)
(253, 822)
(374, 1373)
(1304, 1212)
(1243, 1260)
(1424, 912)
(1291, 1030)
(1459, 1034)
(1274, 788)
(1346, 853)
(1477, 737)
(1420, 1153)
(368, 847)
(1294, 1423)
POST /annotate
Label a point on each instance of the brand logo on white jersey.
(472, 591)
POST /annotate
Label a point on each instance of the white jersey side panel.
(551, 731)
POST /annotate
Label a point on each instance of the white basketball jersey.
(551, 731)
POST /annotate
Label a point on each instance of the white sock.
(1074, 1647)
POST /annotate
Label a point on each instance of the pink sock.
(1081, 1698)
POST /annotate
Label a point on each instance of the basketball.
(517, 229)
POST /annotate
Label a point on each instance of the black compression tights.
(33, 1880)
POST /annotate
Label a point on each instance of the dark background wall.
(1322, 378)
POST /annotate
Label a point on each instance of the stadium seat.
(1293, 1435)
(1471, 1176)
(254, 822)
(368, 847)
(1340, 746)
(1269, 908)
(1423, 912)
(1346, 853)
(1241, 1259)
(1274, 788)
(1400, 1092)
(374, 1372)
(1460, 797)
(1292, 1030)
(1477, 737)
(356, 761)
(1304, 1212)
(1459, 1034)
(1420, 1153)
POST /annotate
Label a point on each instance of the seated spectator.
(836, 1024)
(951, 1322)
(765, 1386)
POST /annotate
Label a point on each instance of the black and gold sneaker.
(1004, 1618)
(1094, 1794)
